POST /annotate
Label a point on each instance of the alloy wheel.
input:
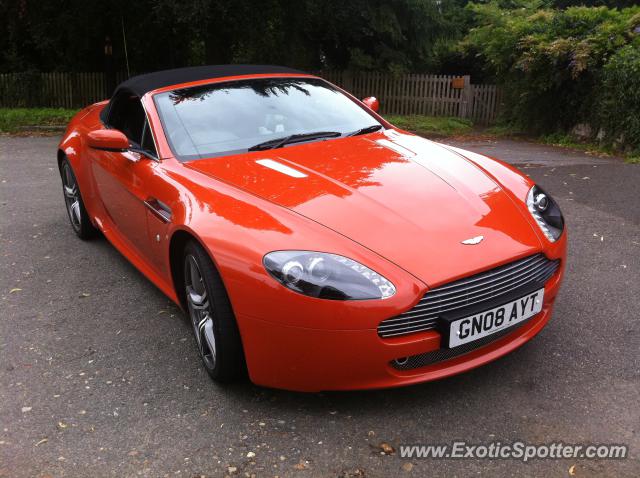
(200, 311)
(71, 196)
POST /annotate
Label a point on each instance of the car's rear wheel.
(211, 316)
(78, 215)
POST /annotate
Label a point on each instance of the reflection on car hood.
(408, 199)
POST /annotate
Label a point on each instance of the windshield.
(232, 117)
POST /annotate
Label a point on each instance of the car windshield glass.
(231, 117)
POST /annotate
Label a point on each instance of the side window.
(147, 139)
(127, 115)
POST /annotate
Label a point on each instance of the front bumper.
(308, 359)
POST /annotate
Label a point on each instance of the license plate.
(494, 320)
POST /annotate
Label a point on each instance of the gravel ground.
(99, 374)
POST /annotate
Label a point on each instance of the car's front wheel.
(78, 215)
(212, 318)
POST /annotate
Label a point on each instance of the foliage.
(431, 126)
(561, 62)
(382, 35)
(591, 147)
(23, 91)
(568, 141)
(13, 119)
(553, 63)
(594, 3)
(619, 98)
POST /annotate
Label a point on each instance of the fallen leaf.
(572, 470)
(386, 449)
(302, 465)
(407, 467)
(358, 472)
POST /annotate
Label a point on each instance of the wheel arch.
(60, 157)
(177, 243)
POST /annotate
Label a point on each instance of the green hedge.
(619, 100)
(562, 67)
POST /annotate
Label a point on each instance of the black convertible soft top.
(141, 84)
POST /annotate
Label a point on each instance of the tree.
(383, 35)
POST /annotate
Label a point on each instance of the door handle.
(159, 209)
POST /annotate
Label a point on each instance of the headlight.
(327, 276)
(546, 213)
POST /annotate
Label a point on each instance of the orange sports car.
(312, 244)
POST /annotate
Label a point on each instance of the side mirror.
(372, 102)
(108, 139)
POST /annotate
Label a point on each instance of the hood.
(405, 198)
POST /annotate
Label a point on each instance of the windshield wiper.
(293, 138)
(366, 129)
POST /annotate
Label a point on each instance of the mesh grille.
(428, 358)
(484, 287)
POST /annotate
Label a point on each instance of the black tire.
(76, 211)
(211, 316)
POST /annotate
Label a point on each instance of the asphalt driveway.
(99, 374)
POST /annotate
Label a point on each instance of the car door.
(122, 178)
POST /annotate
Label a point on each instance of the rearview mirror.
(372, 102)
(108, 139)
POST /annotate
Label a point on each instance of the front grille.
(440, 355)
(484, 287)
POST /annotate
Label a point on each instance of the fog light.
(401, 361)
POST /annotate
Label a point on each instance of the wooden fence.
(410, 94)
(53, 90)
(486, 102)
(419, 94)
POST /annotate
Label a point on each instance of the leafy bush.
(555, 64)
(619, 105)
(23, 90)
